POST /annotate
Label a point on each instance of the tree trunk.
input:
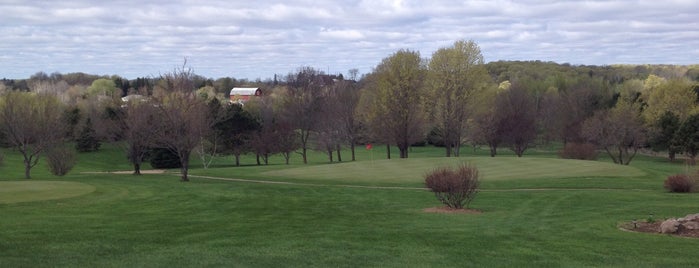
(237, 160)
(448, 148)
(286, 157)
(185, 168)
(493, 150)
(257, 157)
(403, 151)
(27, 166)
(303, 153)
(352, 149)
(671, 155)
(27, 171)
(136, 168)
(330, 154)
(388, 151)
(339, 155)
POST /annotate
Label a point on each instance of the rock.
(669, 226)
(692, 225)
(692, 217)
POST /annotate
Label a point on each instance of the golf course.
(534, 211)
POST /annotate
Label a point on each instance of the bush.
(454, 187)
(60, 160)
(164, 158)
(679, 183)
(582, 151)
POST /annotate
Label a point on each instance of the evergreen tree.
(87, 139)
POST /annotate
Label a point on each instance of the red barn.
(243, 94)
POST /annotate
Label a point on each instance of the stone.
(669, 226)
(692, 217)
(692, 225)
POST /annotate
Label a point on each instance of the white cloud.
(260, 38)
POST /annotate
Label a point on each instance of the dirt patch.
(654, 227)
(451, 210)
(147, 171)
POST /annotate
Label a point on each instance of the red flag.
(368, 146)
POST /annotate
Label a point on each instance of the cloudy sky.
(258, 38)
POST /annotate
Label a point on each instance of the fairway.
(411, 170)
(27, 191)
(305, 216)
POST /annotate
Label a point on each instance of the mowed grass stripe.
(28, 191)
(491, 169)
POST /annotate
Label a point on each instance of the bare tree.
(346, 95)
(303, 103)
(31, 123)
(182, 117)
(138, 131)
(516, 115)
(618, 131)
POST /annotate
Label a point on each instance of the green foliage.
(454, 187)
(687, 136)
(162, 158)
(60, 160)
(87, 140)
(103, 87)
(663, 137)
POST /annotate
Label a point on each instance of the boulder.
(669, 226)
(691, 225)
(692, 217)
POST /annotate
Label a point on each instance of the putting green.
(27, 191)
(497, 168)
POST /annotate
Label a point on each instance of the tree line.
(451, 99)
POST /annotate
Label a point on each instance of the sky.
(260, 38)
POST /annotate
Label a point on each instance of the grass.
(157, 221)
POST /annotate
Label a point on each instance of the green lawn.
(538, 211)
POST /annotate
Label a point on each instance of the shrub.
(679, 183)
(454, 187)
(60, 160)
(582, 151)
(164, 158)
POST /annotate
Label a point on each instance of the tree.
(664, 132)
(618, 131)
(87, 140)
(456, 74)
(138, 129)
(515, 114)
(347, 96)
(398, 104)
(235, 129)
(676, 95)
(487, 127)
(303, 103)
(103, 87)
(687, 137)
(31, 123)
(182, 117)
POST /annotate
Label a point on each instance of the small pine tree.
(87, 139)
(164, 158)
